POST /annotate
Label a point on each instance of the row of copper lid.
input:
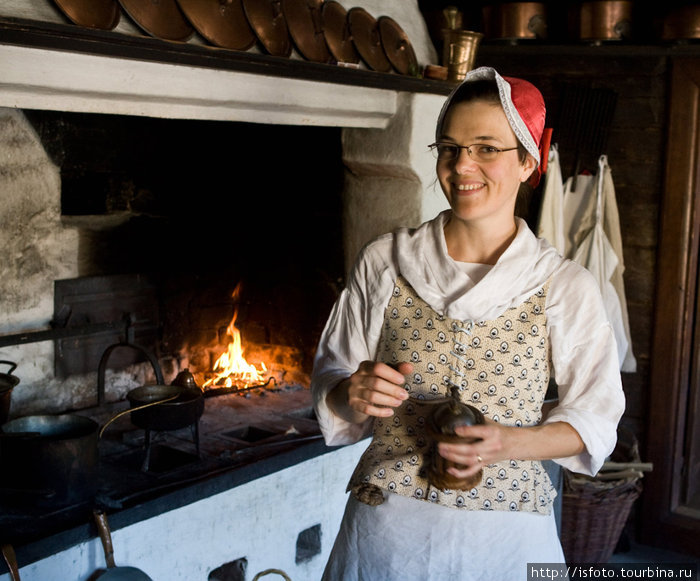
(321, 30)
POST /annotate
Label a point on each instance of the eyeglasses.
(477, 151)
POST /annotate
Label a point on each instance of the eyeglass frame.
(433, 147)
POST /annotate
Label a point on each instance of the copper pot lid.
(270, 26)
(101, 14)
(306, 28)
(365, 35)
(337, 32)
(397, 47)
(160, 18)
(221, 22)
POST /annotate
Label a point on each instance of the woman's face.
(477, 190)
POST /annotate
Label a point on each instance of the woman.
(470, 299)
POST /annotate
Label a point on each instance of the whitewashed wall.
(259, 521)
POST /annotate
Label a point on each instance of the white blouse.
(582, 344)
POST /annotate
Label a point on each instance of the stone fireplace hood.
(387, 118)
(39, 78)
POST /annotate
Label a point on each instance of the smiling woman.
(481, 186)
(472, 306)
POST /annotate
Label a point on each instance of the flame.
(231, 369)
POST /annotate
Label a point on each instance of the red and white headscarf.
(525, 110)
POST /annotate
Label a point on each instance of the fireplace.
(262, 188)
(214, 221)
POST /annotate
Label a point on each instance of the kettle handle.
(102, 368)
(12, 365)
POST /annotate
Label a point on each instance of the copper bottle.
(441, 424)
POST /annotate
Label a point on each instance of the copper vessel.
(515, 20)
(459, 52)
(682, 23)
(606, 20)
(441, 424)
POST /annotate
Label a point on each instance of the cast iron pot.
(7, 383)
(174, 407)
(155, 407)
(49, 460)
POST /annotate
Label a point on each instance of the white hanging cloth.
(550, 223)
(593, 239)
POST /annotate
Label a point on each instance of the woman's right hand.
(373, 390)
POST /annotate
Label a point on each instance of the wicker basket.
(595, 510)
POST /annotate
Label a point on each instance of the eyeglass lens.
(477, 151)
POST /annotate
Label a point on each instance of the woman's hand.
(373, 390)
(493, 442)
(483, 444)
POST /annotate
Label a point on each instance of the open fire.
(231, 368)
(242, 358)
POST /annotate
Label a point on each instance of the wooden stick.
(643, 466)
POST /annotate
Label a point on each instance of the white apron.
(406, 540)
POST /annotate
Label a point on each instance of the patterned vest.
(501, 367)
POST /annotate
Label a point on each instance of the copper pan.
(160, 18)
(100, 14)
(365, 35)
(270, 26)
(337, 32)
(222, 22)
(304, 20)
(114, 572)
(397, 46)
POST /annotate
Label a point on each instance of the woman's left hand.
(493, 442)
(483, 444)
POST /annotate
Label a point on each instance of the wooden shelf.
(49, 35)
(589, 49)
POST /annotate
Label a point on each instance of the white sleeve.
(585, 367)
(351, 335)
